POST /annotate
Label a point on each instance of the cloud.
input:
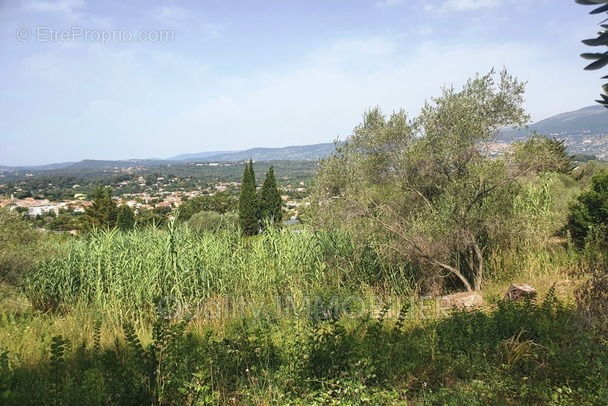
(61, 7)
(321, 98)
(171, 13)
(458, 5)
(315, 98)
(423, 30)
(387, 3)
(185, 20)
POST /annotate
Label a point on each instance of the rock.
(463, 300)
(519, 292)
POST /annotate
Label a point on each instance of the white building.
(41, 209)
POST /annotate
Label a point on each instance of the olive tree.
(422, 188)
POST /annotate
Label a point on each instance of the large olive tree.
(425, 189)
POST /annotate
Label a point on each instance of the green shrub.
(21, 246)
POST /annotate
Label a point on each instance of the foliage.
(600, 60)
(422, 188)
(133, 275)
(588, 219)
(65, 222)
(592, 296)
(270, 199)
(249, 211)
(178, 177)
(220, 202)
(543, 154)
(156, 217)
(530, 352)
(212, 220)
(103, 211)
(125, 220)
(21, 246)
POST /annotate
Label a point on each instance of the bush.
(21, 246)
(588, 219)
(212, 220)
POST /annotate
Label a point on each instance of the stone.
(463, 300)
(519, 292)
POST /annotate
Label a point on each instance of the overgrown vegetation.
(424, 191)
(520, 353)
(21, 246)
(346, 309)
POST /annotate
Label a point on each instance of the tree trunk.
(479, 272)
(456, 272)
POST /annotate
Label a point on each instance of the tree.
(421, 189)
(103, 211)
(125, 220)
(600, 59)
(249, 214)
(589, 214)
(220, 202)
(156, 217)
(544, 154)
(21, 245)
(270, 199)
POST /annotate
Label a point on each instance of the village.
(162, 195)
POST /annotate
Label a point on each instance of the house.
(41, 209)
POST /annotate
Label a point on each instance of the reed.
(125, 275)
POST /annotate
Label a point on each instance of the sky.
(84, 79)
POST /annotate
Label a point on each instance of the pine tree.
(125, 220)
(248, 203)
(270, 199)
(103, 211)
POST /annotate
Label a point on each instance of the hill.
(584, 131)
(100, 164)
(291, 153)
(198, 155)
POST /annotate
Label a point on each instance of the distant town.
(54, 200)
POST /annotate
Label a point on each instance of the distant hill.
(593, 119)
(198, 155)
(584, 131)
(99, 164)
(292, 153)
(588, 120)
(48, 167)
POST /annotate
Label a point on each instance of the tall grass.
(125, 275)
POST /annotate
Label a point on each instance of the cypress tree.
(248, 203)
(270, 199)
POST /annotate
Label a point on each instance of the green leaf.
(597, 64)
(595, 55)
(599, 10)
(590, 2)
(602, 39)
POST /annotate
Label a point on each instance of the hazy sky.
(138, 79)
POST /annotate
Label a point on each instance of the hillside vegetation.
(349, 307)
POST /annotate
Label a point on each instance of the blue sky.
(138, 79)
